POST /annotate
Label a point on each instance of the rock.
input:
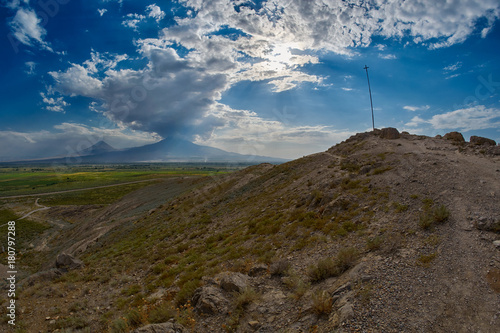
(342, 289)
(478, 140)
(233, 281)
(49, 275)
(258, 270)
(67, 262)
(346, 312)
(389, 133)
(210, 300)
(254, 324)
(456, 137)
(497, 244)
(161, 328)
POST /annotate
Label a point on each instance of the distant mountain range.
(167, 150)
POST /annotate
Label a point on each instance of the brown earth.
(211, 257)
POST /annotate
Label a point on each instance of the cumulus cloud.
(228, 42)
(102, 11)
(468, 119)
(132, 20)
(54, 104)
(26, 28)
(155, 12)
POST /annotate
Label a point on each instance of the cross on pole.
(370, 90)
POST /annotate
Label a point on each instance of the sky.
(274, 78)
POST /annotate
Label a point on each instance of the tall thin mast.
(370, 90)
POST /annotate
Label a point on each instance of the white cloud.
(31, 66)
(155, 12)
(453, 67)
(102, 11)
(470, 119)
(416, 121)
(133, 20)
(387, 56)
(180, 95)
(65, 140)
(26, 27)
(416, 108)
(54, 104)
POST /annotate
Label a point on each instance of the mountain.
(100, 147)
(167, 150)
(384, 232)
(175, 150)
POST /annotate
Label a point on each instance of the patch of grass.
(399, 208)
(187, 291)
(118, 326)
(161, 313)
(381, 170)
(426, 259)
(134, 318)
(440, 214)
(280, 267)
(131, 290)
(374, 243)
(432, 216)
(298, 286)
(327, 267)
(73, 322)
(321, 302)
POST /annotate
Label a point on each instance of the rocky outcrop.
(233, 281)
(455, 137)
(210, 300)
(67, 262)
(389, 133)
(161, 328)
(479, 140)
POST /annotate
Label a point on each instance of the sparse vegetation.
(321, 302)
(328, 267)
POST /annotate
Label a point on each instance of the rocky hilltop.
(385, 232)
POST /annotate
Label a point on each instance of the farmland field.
(32, 180)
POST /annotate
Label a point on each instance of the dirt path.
(79, 189)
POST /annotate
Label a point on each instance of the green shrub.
(134, 318)
(324, 269)
(345, 259)
(280, 267)
(440, 214)
(119, 326)
(161, 313)
(374, 243)
(327, 267)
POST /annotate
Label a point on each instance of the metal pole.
(370, 90)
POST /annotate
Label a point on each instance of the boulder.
(456, 137)
(389, 133)
(210, 300)
(346, 312)
(233, 281)
(161, 328)
(67, 262)
(479, 140)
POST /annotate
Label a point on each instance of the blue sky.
(276, 78)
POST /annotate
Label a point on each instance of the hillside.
(381, 233)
